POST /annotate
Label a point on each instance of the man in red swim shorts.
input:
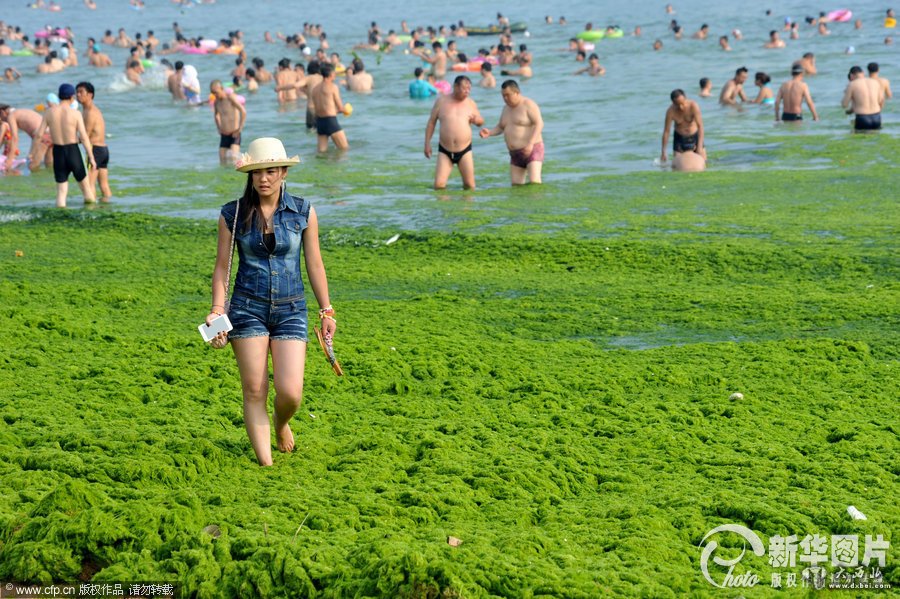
(521, 125)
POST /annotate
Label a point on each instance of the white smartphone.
(219, 324)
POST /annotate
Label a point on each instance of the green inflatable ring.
(589, 36)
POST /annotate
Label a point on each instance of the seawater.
(609, 124)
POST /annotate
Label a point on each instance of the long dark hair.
(248, 205)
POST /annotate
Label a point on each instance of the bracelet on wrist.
(326, 311)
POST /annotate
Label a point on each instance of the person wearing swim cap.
(66, 128)
(96, 58)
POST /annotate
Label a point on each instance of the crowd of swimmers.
(317, 77)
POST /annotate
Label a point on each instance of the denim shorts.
(279, 320)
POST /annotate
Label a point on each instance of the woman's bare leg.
(288, 363)
(252, 356)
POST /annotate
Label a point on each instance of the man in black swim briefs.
(864, 97)
(457, 114)
(793, 93)
(867, 122)
(454, 157)
(327, 125)
(96, 130)
(688, 137)
(230, 117)
(685, 143)
(67, 160)
(313, 78)
(327, 103)
(66, 127)
(226, 141)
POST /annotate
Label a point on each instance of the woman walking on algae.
(270, 228)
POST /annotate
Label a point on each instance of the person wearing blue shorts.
(271, 229)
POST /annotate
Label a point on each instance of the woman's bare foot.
(284, 437)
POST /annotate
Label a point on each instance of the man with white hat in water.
(66, 127)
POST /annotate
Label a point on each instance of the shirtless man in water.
(313, 79)
(734, 89)
(793, 93)
(521, 125)
(457, 113)
(133, 71)
(872, 67)
(96, 58)
(438, 61)
(808, 62)
(96, 132)
(688, 133)
(230, 116)
(864, 98)
(774, 41)
(29, 121)
(326, 98)
(285, 82)
(174, 82)
(358, 80)
(524, 69)
(66, 129)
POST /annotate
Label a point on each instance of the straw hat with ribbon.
(265, 152)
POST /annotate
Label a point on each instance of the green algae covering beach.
(578, 382)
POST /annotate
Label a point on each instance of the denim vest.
(271, 277)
